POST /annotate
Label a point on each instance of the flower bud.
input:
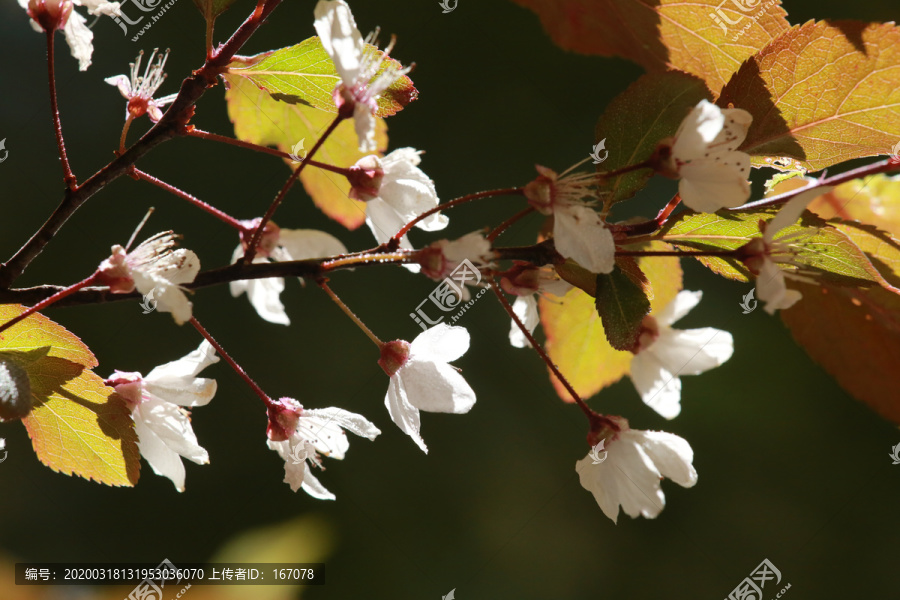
(284, 414)
(522, 279)
(50, 14)
(15, 390)
(113, 272)
(540, 192)
(393, 356)
(267, 242)
(365, 178)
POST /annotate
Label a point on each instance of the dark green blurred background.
(790, 467)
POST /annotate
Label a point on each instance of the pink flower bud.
(50, 14)
(365, 178)
(433, 262)
(114, 272)
(284, 414)
(393, 356)
(269, 240)
(522, 279)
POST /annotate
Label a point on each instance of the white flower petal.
(684, 302)
(100, 7)
(340, 37)
(294, 472)
(442, 342)
(792, 210)
(315, 489)
(122, 82)
(436, 387)
(692, 351)
(672, 456)
(384, 221)
(697, 131)
(771, 288)
(658, 387)
(324, 434)
(364, 123)
(80, 40)
(352, 422)
(404, 414)
(708, 186)
(172, 425)
(579, 234)
(163, 460)
(301, 244)
(525, 307)
(186, 367)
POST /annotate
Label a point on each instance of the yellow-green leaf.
(305, 73)
(666, 34)
(820, 94)
(78, 425)
(576, 340)
(260, 119)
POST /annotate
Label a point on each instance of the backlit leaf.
(260, 119)
(78, 425)
(709, 38)
(874, 200)
(821, 94)
(622, 303)
(305, 74)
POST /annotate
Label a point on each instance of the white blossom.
(704, 156)
(356, 66)
(663, 354)
(767, 252)
(78, 36)
(153, 267)
(579, 232)
(282, 245)
(163, 427)
(139, 89)
(421, 377)
(635, 464)
(309, 434)
(396, 191)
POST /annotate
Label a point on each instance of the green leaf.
(77, 424)
(210, 9)
(262, 120)
(576, 339)
(650, 109)
(573, 273)
(622, 304)
(305, 74)
(665, 34)
(821, 94)
(822, 251)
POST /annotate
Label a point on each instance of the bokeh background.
(790, 467)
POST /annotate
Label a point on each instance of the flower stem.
(185, 196)
(125, 128)
(48, 301)
(343, 262)
(509, 222)
(237, 368)
(324, 285)
(883, 166)
(257, 236)
(205, 135)
(395, 240)
(70, 179)
(541, 352)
